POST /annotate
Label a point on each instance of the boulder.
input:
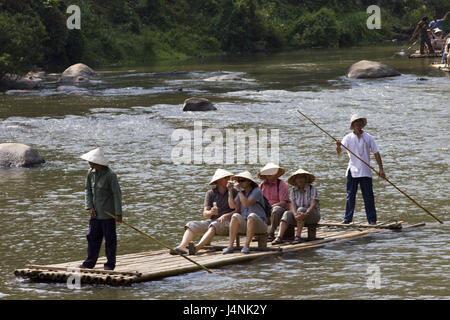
(225, 77)
(15, 82)
(198, 104)
(19, 155)
(19, 92)
(72, 90)
(371, 69)
(77, 73)
(37, 74)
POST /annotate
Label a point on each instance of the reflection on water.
(133, 115)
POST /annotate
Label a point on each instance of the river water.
(133, 113)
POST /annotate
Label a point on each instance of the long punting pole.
(158, 242)
(377, 172)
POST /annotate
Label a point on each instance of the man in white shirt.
(360, 143)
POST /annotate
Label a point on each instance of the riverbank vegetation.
(113, 32)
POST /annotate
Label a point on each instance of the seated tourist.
(276, 192)
(437, 39)
(304, 207)
(250, 218)
(218, 202)
(445, 52)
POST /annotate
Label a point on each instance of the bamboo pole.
(393, 225)
(70, 269)
(159, 242)
(377, 172)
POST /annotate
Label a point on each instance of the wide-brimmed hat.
(437, 30)
(220, 174)
(95, 156)
(309, 176)
(356, 117)
(271, 169)
(246, 175)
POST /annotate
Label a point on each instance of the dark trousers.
(367, 192)
(423, 40)
(97, 230)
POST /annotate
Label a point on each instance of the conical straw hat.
(309, 176)
(271, 169)
(356, 117)
(245, 175)
(95, 156)
(219, 174)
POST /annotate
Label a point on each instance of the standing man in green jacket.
(102, 194)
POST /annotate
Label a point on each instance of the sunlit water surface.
(133, 113)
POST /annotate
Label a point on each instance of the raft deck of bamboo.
(441, 66)
(151, 265)
(417, 54)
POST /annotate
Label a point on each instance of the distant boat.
(436, 54)
(440, 66)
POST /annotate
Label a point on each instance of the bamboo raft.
(440, 66)
(151, 265)
(417, 54)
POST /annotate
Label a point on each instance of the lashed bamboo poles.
(377, 172)
(159, 242)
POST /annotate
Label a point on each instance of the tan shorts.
(200, 227)
(312, 219)
(222, 228)
(260, 227)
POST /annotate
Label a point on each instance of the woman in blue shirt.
(252, 217)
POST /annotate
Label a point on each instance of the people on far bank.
(357, 172)
(102, 194)
(422, 31)
(437, 39)
(445, 53)
(276, 192)
(304, 205)
(217, 210)
(438, 23)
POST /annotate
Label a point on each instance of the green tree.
(319, 29)
(21, 42)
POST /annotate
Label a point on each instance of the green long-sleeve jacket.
(103, 193)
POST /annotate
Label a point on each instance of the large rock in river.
(371, 69)
(15, 82)
(225, 77)
(198, 104)
(19, 155)
(77, 73)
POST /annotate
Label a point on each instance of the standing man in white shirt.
(360, 143)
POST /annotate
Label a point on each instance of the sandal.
(227, 250)
(192, 248)
(245, 250)
(271, 237)
(177, 250)
(297, 239)
(277, 240)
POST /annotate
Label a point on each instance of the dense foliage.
(34, 33)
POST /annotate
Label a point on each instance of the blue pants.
(97, 230)
(367, 192)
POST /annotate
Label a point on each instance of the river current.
(133, 112)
